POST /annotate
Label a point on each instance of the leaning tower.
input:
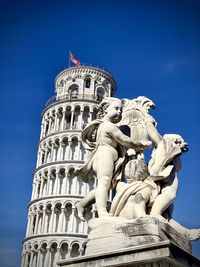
(54, 230)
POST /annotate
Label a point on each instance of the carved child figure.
(107, 156)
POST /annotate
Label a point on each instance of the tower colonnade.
(67, 116)
(54, 230)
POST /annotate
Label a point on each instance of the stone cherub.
(152, 194)
(108, 145)
(152, 186)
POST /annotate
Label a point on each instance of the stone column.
(23, 262)
(81, 119)
(109, 89)
(64, 185)
(92, 84)
(41, 187)
(81, 250)
(42, 130)
(45, 155)
(51, 227)
(38, 158)
(79, 149)
(48, 184)
(60, 151)
(31, 260)
(39, 260)
(61, 221)
(30, 230)
(55, 185)
(90, 117)
(40, 221)
(57, 120)
(26, 259)
(72, 117)
(72, 225)
(47, 257)
(33, 190)
(28, 225)
(36, 223)
(62, 121)
(43, 222)
(50, 121)
(36, 188)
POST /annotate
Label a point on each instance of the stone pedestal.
(145, 242)
(162, 254)
(109, 234)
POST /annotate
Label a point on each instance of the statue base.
(162, 254)
(113, 233)
(116, 242)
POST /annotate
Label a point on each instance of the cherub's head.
(136, 170)
(110, 107)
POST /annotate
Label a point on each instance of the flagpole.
(69, 59)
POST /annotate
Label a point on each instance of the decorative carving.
(141, 189)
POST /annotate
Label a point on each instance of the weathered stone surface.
(161, 254)
(110, 234)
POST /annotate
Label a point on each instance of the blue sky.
(151, 47)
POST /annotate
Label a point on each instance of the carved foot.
(194, 234)
(80, 210)
(104, 213)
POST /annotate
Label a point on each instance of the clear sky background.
(152, 48)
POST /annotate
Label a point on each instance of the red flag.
(74, 60)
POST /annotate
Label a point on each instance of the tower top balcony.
(84, 82)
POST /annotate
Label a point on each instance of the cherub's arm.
(117, 135)
(155, 137)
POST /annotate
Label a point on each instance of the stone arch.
(35, 255)
(87, 81)
(38, 182)
(65, 150)
(52, 181)
(86, 115)
(45, 181)
(76, 116)
(84, 248)
(73, 90)
(62, 180)
(40, 217)
(100, 93)
(48, 151)
(59, 117)
(82, 152)
(70, 176)
(74, 148)
(67, 217)
(94, 113)
(56, 148)
(64, 250)
(57, 210)
(43, 252)
(53, 119)
(75, 247)
(49, 213)
(53, 253)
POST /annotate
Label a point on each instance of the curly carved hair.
(105, 103)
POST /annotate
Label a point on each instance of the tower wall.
(54, 231)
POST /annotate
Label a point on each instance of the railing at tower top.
(53, 99)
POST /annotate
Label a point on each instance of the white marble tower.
(54, 231)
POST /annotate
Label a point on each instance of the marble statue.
(118, 161)
(108, 145)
